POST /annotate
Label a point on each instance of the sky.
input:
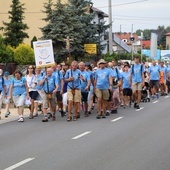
(128, 15)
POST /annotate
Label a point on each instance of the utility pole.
(110, 29)
(132, 40)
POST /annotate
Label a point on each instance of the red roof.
(146, 44)
(168, 34)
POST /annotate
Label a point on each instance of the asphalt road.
(129, 140)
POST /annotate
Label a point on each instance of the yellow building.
(33, 15)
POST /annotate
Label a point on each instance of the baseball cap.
(6, 73)
(101, 61)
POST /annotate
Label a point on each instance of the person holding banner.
(59, 76)
(50, 87)
(72, 76)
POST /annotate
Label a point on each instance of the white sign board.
(43, 51)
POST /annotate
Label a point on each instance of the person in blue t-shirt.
(102, 84)
(127, 91)
(19, 92)
(85, 86)
(73, 76)
(154, 75)
(137, 81)
(59, 76)
(2, 88)
(168, 77)
(50, 87)
(6, 100)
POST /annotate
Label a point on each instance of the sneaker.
(31, 116)
(107, 113)
(89, 112)
(62, 113)
(35, 115)
(98, 117)
(137, 106)
(53, 118)
(21, 119)
(7, 114)
(45, 119)
(114, 111)
(157, 96)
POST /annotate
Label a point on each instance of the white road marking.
(167, 97)
(81, 135)
(114, 120)
(19, 164)
(155, 101)
(139, 109)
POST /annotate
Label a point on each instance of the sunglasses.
(30, 68)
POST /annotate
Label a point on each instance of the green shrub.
(24, 54)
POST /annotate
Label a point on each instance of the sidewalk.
(13, 116)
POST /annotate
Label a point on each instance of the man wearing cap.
(137, 81)
(102, 84)
(2, 88)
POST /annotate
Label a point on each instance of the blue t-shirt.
(102, 77)
(154, 72)
(126, 79)
(51, 85)
(38, 79)
(19, 86)
(8, 84)
(137, 72)
(77, 82)
(2, 85)
(86, 77)
(59, 77)
(168, 70)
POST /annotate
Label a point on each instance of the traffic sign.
(90, 48)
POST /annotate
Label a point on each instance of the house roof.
(146, 43)
(126, 36)
(168, 34)
(99, 12)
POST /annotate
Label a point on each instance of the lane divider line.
(81, 135)
(167, 97)
(155, 101)
(114, 120)
(137, 110)
(19, 164)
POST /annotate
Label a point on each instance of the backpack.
(140, 69)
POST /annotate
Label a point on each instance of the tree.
(33, 39)
(14, 30)
(61, 23)
(6, 52)
(94, 32)
(24, 54)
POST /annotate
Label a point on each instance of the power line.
(128, 3)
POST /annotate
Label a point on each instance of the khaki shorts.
(136, 86)
(76, 97)
(52, 102)
(103, 94)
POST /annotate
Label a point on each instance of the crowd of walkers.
(69, 89)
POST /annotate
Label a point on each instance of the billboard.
(43, 51)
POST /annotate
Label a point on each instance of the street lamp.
(110, 28)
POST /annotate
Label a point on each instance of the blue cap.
(6, 73)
